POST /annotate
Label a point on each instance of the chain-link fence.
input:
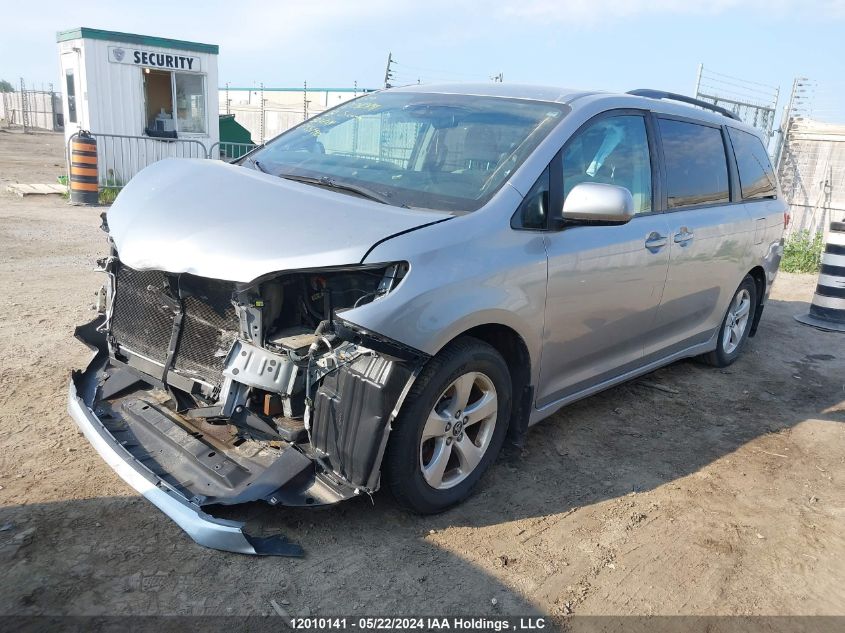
(32, 109)
(268, 121)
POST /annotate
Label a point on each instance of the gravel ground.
(691, 491)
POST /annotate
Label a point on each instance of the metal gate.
(121, 157)
(32, 109)
(228, 151)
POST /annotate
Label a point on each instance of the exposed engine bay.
(232, 392)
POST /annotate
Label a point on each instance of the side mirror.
(597, 202)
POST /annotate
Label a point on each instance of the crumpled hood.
(216, 220)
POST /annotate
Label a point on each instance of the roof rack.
(661, 94)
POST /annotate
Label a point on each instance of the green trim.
(84, 32)
(310, 89)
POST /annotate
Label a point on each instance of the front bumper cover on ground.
(221, 534)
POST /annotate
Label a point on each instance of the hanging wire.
(755, 102)
(744, 81)
(406, 74)
(823, 102)
(431, 72)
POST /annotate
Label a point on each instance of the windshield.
(447, 152)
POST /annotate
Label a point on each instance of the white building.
(152, 88)
(812, 174)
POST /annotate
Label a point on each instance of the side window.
(696, 165)
(756, 176)
(613, 151)
(71, 96)
(533, 213)
(190, 102)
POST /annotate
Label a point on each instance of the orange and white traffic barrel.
(827, 311)
(83, 170)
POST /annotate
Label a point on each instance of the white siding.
(110, 100)
(812, 174)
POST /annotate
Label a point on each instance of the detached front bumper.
(206, 530)
(221, 534)
(183, 466)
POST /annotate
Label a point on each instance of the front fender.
(455, 284)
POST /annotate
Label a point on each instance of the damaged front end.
(207, 392)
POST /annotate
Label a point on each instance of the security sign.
(153, 59)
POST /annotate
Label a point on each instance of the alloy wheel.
(736, 321)
(458, 430)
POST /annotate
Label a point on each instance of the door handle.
(655, 241)
(683, 236)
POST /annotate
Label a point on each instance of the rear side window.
(756, 176)
(696, 167)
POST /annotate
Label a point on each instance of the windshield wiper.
(330, 183)
(260, 168)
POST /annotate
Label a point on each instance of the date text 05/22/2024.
(455, 623)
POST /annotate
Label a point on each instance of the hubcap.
(458, 430)
(736, 321)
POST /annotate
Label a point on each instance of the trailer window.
(71, 96)
(158, 96)
(166, 93)
(190, 103)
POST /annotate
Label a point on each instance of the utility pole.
(228, 111)
(388, 71)
(262, 113)
(305, 101)
(698, 81)
(53, 121)
(24, 108)
(798, 87)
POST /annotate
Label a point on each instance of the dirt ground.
(690, 491)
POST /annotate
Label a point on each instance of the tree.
(5, 86)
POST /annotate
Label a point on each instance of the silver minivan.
(388, 292)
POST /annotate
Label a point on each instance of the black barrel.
(828, 308)
(83, 170)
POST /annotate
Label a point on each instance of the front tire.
(736, 325)
(451, 427)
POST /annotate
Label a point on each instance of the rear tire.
(736, 325)
(451, 427)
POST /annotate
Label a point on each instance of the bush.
(108, 195)
(802, 253)
(110, 188)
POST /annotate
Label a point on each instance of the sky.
(612, 45)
